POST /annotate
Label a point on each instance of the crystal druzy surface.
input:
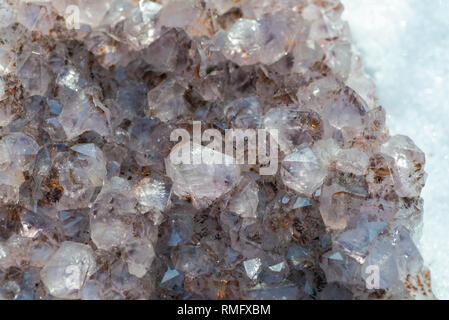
(92, 205)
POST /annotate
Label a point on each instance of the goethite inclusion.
(92, 205)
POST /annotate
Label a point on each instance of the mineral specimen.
(99, 201)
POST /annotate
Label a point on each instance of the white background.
(405, 48)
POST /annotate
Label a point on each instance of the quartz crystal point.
(141, 28)
(302, 171)
(167, 102)
(265, 40)
(246, 199)
(202, 183)
(17, 152)
(407, 168)
(153, 194)
(80, 170)
(98, 201)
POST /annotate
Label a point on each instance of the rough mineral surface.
(93, 204)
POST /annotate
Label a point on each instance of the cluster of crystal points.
(91, 206)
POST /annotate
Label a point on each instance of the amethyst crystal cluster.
(92, 206)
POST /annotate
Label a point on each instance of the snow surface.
(405, 48)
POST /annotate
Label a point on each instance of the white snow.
(405, 48)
